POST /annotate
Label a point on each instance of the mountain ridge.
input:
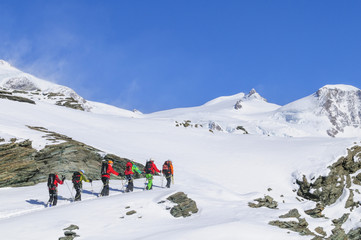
(332, 110)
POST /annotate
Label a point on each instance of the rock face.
(267, 201)
(327, 189)
(69, 234)
(21, 165)
(341, 105)
(185, 207)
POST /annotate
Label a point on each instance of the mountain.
(285, 179)
(333, 109)
(19, 86)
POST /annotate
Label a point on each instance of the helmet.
(151, 159)
(82, 171)
(110, 162)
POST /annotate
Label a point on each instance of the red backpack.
(166, 167)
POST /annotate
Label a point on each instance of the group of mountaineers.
(106, 170)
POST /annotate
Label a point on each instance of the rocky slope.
(332, 109)
(341, 186)
(22, 165)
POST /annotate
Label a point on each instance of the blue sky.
(157, 55)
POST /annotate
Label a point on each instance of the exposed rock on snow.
(254, 95)
(185, 206)
(21, 165)
(316, 212)
(300, 226)
(238, 105)
(327, 189)
(69, 234)
(214, 126)
(16, 98)
(267, 201)
(342, 105)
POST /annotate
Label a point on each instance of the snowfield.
(221, 170)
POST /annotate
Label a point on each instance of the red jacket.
(109, 171)
(153, 168)
(128, 169)
(56, 181)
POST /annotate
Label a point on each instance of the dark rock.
(238, 105)
(66, 238)
(299, 226)
(291, 214)
(185, 207)
(327, 189)
(320, 231)
(131, 212)
(354, 234)
(70, 233)
(267, 201)
(16, 98)
(316, 212)
(21, 165)
(71, 227)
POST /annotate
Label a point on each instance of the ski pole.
(162, 176)
(122, 184)
(70, 191)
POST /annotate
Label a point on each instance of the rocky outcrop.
(316, 212)
(70, 103)
(21, 165)
(185, 206)
(300, 226)
(213, 126)
(267, 201)
(341, 106)
(238, 105)
(16, 98)
(69, 232)
(327, 189)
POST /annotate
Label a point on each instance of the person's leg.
(78, 192)
(51, 198)
(168, 177)
(55, 197)
(105, 189)
(150, 181)
(130, 183)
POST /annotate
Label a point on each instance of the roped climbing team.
(106, 170)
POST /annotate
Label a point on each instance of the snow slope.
(222, 172)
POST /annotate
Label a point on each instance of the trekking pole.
(162, 176)
(145, 183)
(122, 184)
(72, 197)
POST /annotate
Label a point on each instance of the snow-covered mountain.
(333, 109)
(28, 87)
(226, 171)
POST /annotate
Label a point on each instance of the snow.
(222, 171)
(342, 87)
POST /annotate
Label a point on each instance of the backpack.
(104, 168)
(129, 166)
(148, 167)
(166, 167)
(51, 180)
(76, 177)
